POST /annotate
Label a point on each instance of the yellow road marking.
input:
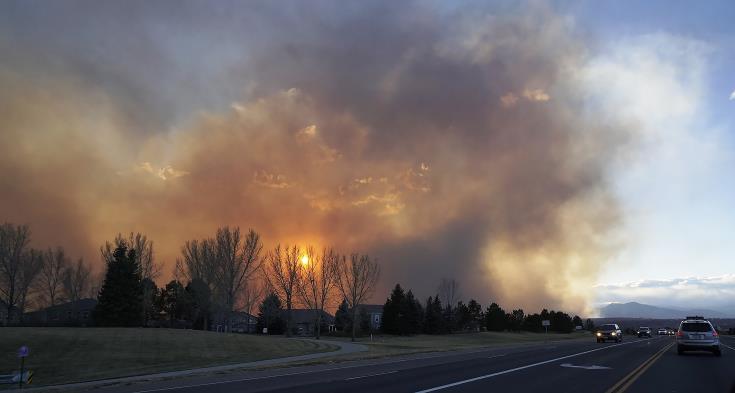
(628, 380)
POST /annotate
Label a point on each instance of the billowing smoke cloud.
(446, 142)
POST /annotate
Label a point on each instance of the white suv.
(697, 334)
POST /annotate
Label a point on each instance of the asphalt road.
(636, 365)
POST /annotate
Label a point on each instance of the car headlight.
(599, 334)
(613, 334)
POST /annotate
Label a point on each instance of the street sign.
(23, 352)
(545, 322)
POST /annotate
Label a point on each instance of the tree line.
(230, 272)
(403, 314)
(214, 278)
(35, 278)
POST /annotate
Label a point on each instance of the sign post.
(22, 354)
(546, 324)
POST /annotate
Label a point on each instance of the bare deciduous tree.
(237, 262)
(227, 264)
(356, 279)
(316, 281)
(51, 276)
(13, 250)
(199, 264)
(32, 262)
(449, 293)
(282, 271)
(76, 281)
(143, 252)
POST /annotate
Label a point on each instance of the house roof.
(79, 305)
(306, 315)
(372, 308)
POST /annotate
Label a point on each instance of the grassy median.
(383, 346)
(63, 355)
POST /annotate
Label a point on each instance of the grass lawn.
(62, 355)
(382, 346)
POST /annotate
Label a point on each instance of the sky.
(545, 154)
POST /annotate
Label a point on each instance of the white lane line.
(444, 354)
(371, 375)
(727, 346)
(449, 385)
(306, 372)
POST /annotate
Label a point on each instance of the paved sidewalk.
(344, 348)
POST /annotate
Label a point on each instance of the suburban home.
(77, 313)
(304, 321)
(375, 314)
(242, 322)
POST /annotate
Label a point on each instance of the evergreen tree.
(174, 301)
(577, 321)
(475, 313)
(495, 318)
(414, 314)
(342, 317)
(462, 316)
(515, 320)
(150, 296)
(200, 296)
(561, 322)
(121, 296)
(433, 316)
(393, 311)
(269, 315)
(532, 323)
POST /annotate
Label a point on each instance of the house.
(242, 322)
(303, 321)
(375, 314)
(76, 313)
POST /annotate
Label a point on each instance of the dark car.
(644, 331)
(609, 331)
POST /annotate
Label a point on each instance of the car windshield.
(607, 327)
(643, 328)
(696, 327)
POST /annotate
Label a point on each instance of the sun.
(304, 260)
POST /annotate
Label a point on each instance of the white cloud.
(510, 98)
(732, 95)
(308, 131)
(164, 173)
(536, 95)
(713, 292)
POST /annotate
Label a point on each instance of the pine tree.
(342, 317)
(269, 315)
(121, 297)
(392, 312)
(433, 316)
(414, 314)
(495, 318)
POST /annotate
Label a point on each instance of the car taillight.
(679, 334)
(714, 333)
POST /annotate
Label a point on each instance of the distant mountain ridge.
(639, 310)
